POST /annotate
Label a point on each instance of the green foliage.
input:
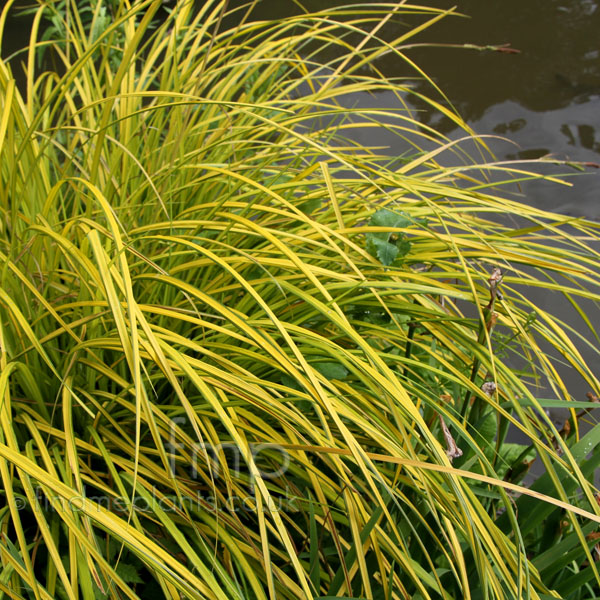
(244, 357)
(388, 246)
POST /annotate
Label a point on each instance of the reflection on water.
(571, 133)
(546, 97)
(558, 64)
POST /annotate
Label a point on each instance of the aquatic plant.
(245, 356)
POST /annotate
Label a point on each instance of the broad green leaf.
(388, 218)
(331, 370)
(384, 250)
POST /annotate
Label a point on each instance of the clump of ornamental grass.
(244, 356)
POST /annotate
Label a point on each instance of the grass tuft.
(245, 356)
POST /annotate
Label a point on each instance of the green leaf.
(351, 556)
(555, 403)
(388, 247)
(403, 246)
(388, 218)
(315, 569)
(575, 582)
(511, 452)
(531, 511)
(310, 206)
(512, 456)
(331, 370)
(486, 432)
(129, 573)
(382, 249)
(556, 557)
(291, 383)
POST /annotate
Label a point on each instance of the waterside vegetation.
(244, 356)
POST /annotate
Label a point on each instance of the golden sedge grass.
(211, 386)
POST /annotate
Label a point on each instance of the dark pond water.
(545, 98)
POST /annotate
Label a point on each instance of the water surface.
(545, 98)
